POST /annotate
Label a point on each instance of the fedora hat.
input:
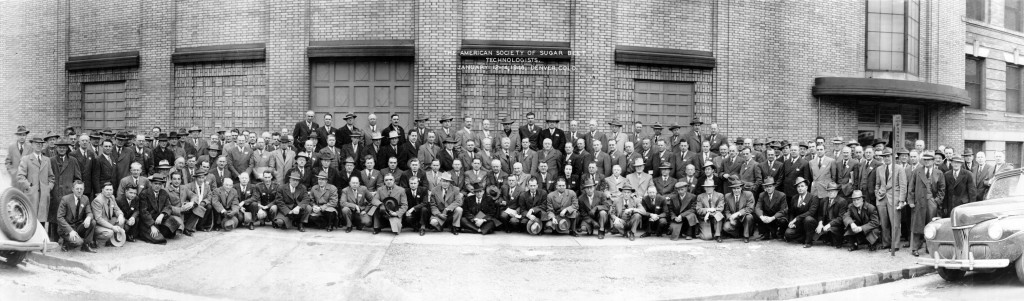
(118, 238)
(63, 142)
(325, 155)
(551, 120)
(420, 118)
(709, 164)
(739, 140)
(302, 155)
(163, 164)
(170, 226)
(903, 151)
(588, 183)
(199, 174)
(852, 143)
(376, 136)
(22, 130)
(51, 134)
(506, 120)
(968, 152)
(392, 135)
(350, 160)
(758, 141)
(534, 227)
(837, 139)
(356, 134)
(857, 194)
(879, 141)
(312, 135)
(213, 146)
(800, 180)
(626, 187)
(450, 140)
(173, 135)
(107, 132)
(446, 176)
(445, 118)
(674, 126)
(682, 184)
(657, 126)
(614, 122)
(710, 182)
(928, 157)
(36, 139)
(768, 182)
(161, 137)
(696, 121)
(295, 176)
(735, 184)
(349, 116)
(665, 165)
(322, 175)
(390, 203)
(285, 139)
(885, 152)
(832, 186)
(563, 225)
(476, 186)
(638, 162)
(195, 128)
(159, 178)
(957, 159)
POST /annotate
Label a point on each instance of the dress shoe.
(657, 235)
(872, 248)
(807, 246)
(273, 225)
(746, 240)
(632, 236)
(906, 244)
(689, 237)
(87, 248)
(762, 238)
(375, 231)
(508, 229)
(423, 231)
(673, 238)
(63, 248)
(915, 253)
(130, 239)
(646, 234)
(348, 230)
(252, 227)
(302, 229)
(330, 228)
(718, 239)
(573, 234)
(854, 247)
(455, 231)
(600, 235)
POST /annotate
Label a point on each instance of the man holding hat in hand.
(390, 214)
(480, 211)
(561, 209)
(108, 216)
(447, 205)
(709, 211)
(627, 212)
(155, 222)
(861, 221)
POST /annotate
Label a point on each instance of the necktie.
(39, 158)
(21, 148)
(819, 163)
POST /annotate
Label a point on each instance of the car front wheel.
(951, 275)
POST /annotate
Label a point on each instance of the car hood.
(974, 213)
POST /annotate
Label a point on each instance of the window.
(1013, 78)
(975, 72)
(892, 39)
(1012, 15)
(976, 10)
(103, 106)
(1013, 153)
(875, 121)
(664, 102)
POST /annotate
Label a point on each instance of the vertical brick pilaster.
(156, 43)
(438, 34)
(593, 81)
(287, 64)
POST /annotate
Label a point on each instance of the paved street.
(1002, 285)
(268, 264)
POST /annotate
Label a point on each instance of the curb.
(823, 287)
(52, 261)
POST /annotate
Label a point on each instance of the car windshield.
(1006, 187)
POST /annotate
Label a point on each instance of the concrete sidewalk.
(272, 264)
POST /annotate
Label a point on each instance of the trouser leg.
(809, 223)
(469, 224)
(487, 227)
(346, 214)
(456, 217)
(191, 220)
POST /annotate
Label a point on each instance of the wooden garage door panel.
(403, 97)
(403, 71)
(321, 97)
(362, 71)
(382, 96)
(375, 86)
(362, 97)
(342, 97)
(321, 73)
(382, 71)
(662, 102)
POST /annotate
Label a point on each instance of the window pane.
(873, 38)
(1012, 76)
(874, 23)
(873, 60)
(897, 6)
(897, 42)
(976, 9)
(1013, 153)
(897, 23)
(887, 21)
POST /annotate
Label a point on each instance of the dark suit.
(557, 138)
(65, 172)
(865, 217)
(847, 176)
(775, 206)
(553, 158)
(124, 161)
(85, 161)
(716, 141)
(593, 212)
(103, 171)
(71, 218)
(831, 213)
(151, 206)
(525, 132)
(681, 207)
(693, 141)
(486, 209)
(792, 170)
(868, 180)
(664, 186)
(386, 152)
(446, 159)
(925, 193)
(959, 190)
(301, 133)
(773, 170)
(982, 174)
(803, 216)
(287, 200)
(322, 132)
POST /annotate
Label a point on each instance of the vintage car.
(20, 231)
(981, 236)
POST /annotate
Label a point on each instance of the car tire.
(951, 275)
(1019, 267)
(13, 258)
(17, 219)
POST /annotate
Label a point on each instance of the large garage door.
(103, 106)
(664, 102)
(382, 87)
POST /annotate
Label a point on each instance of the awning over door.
(890, 88)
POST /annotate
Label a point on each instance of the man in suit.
(346, 133)
(324, 202)
(304, 128)
(927, 189)
(427, 152)
(618, 137)
(66, 171)
(693, 138)
(1000, 163)
(371, 130)
(530, 131)
(480, 211)
(627, 212)
(85, 156)
(355, 202)
(447, 205)
(75, 220)
(660, 156)
(527, 156)
(593, 210)
(772, 167)
(197, 198)
(771, 211)
(36, 177)
(867, 174)
(408, 150)
(371, 178)
(709, 206)
(683, 156)
(445, 131)
(527, 208)
(861, 221)
(890, 191)
(108, 217)
(738, 210)
(355, 149)
(465, 135)
(418, 214)
(680, 209)
(249, 208)
(704, 156)
(561, 209)
(226, 208)
(960, 187)
(105, 167)
(639, 180)
(162, 152)
(665, 184)
(262, 160)
(422, 131)
(155, 223)
(292, 204)
(284, 159)
(830, 216)
(389, 151)
(144, 155)
(554, 134)
(239, 156)
(823, 171)
(983, 173)
(803, 210)
(263, 197)
(395, 127)
(717, 139)
(545, 178)
(17, 150)
(968, 157)
(794, 167)
(507, 132)
(602, 160)
(485, 133)
(123, 156)
(747, 172)
(655, 214)
(194, 143)
(575, 133)
(846, 173)
(388, 214)
(551, 156)
(592, 135)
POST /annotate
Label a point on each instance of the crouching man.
(562, 207)
(593, 208)
(228, 206)
(709, 211)
(109, 218)
(447, 209)
(680, 211)
(74, 217)
(627, 212)
(325, 202)
(861, 223)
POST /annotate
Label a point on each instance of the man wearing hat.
(162, 152)
(803, 210)
(374, 149)
(324, 202)
(556, 135)
(292, 204)
(709, 206)
(861, 222)
(738, 211)
(387, 215)
(890, 193)
(36, 178)
(639, 180)
(194, 142)
(355, 149)
(174, 143)
(927, 189)
(680, 209)
(304, 128)
(665, 184)
(627, 212)
(49, 140)
(123, 157)
(17, 150)
(617, 136)
(593, 208)
(75, 220)
(676, 137)
(421, 130)
(561, 209)
(389, 151)
(226, 208)
(108, 216)
(968, 157)
(345, 132)
(694, 138)
(66, 171)
(212, 152)
(770, 211)
(445, 131)
(155, 223)
(960, 187)
(830, 216)
(447, 205)
(447, 155)
(480, 211)
(530, 131)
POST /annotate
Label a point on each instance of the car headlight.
(930, 229)
(995, 230)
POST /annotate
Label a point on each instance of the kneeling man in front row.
(861, 223)
(74, 217)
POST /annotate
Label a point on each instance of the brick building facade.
(777, 69)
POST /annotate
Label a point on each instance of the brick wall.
(531, 20)
(593, 82)
(222, 22)
(664, 24)
(224, 95)
(438, 33)
(627, 74)
(361, 20)
(132, 91)
(499, 91)
(287, 65)
(104, 26)
(32, 58)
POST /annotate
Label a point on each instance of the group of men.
(90, 188)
